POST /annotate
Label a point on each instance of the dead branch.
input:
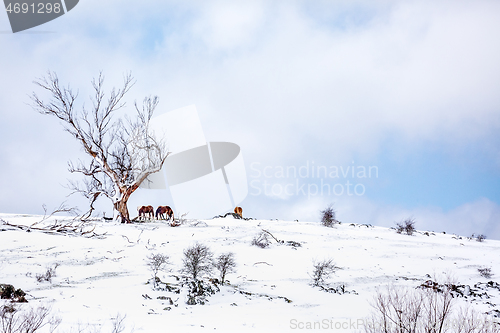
(270, 297)
(128, 240)
(270, 234)
(262, 262)
(61, 209)
(61, 227)
(138, 238)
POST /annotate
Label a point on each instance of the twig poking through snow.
(61, 209)
(262, 262)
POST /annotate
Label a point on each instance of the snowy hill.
(104, 276)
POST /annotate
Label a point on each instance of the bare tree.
(225, 263)
(123, 150)
(198, 259)
(156, 262)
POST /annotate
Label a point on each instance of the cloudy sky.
(405, 93)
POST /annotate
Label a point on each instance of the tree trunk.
(121, 208)
(121, 204)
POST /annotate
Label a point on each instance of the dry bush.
(26, 320)
(48, 275)
(118, 323)
(322, 271)
(468, 320)
(262, 240)
(480, 238)
(182, 218)
(406, 227)
(399, 309)
(328, 216)
(17, 319)
(485, 272)
(156, 262)
(198, 260)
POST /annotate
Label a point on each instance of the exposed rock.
(7, 291)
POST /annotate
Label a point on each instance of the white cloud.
(225, 25)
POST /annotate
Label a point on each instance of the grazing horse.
(146, 211)
(163, 212)
(239, 211)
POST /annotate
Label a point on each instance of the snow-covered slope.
(98, 278)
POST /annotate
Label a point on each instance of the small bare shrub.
(322, 271)
(400, 309)
(156, 262)
(8, 318)
(182, 219)
(485, 272)
(328, 216)
(48, 275)
(480, 238)
(198, 260)
(262, 240)
(118, 323)
(469, 320)
(28, 320)
(225, 264)
(406, 227)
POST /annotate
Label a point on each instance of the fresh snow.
(99, 278)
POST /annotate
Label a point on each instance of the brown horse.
(146, 212)
(239, 211)
(163, 212)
